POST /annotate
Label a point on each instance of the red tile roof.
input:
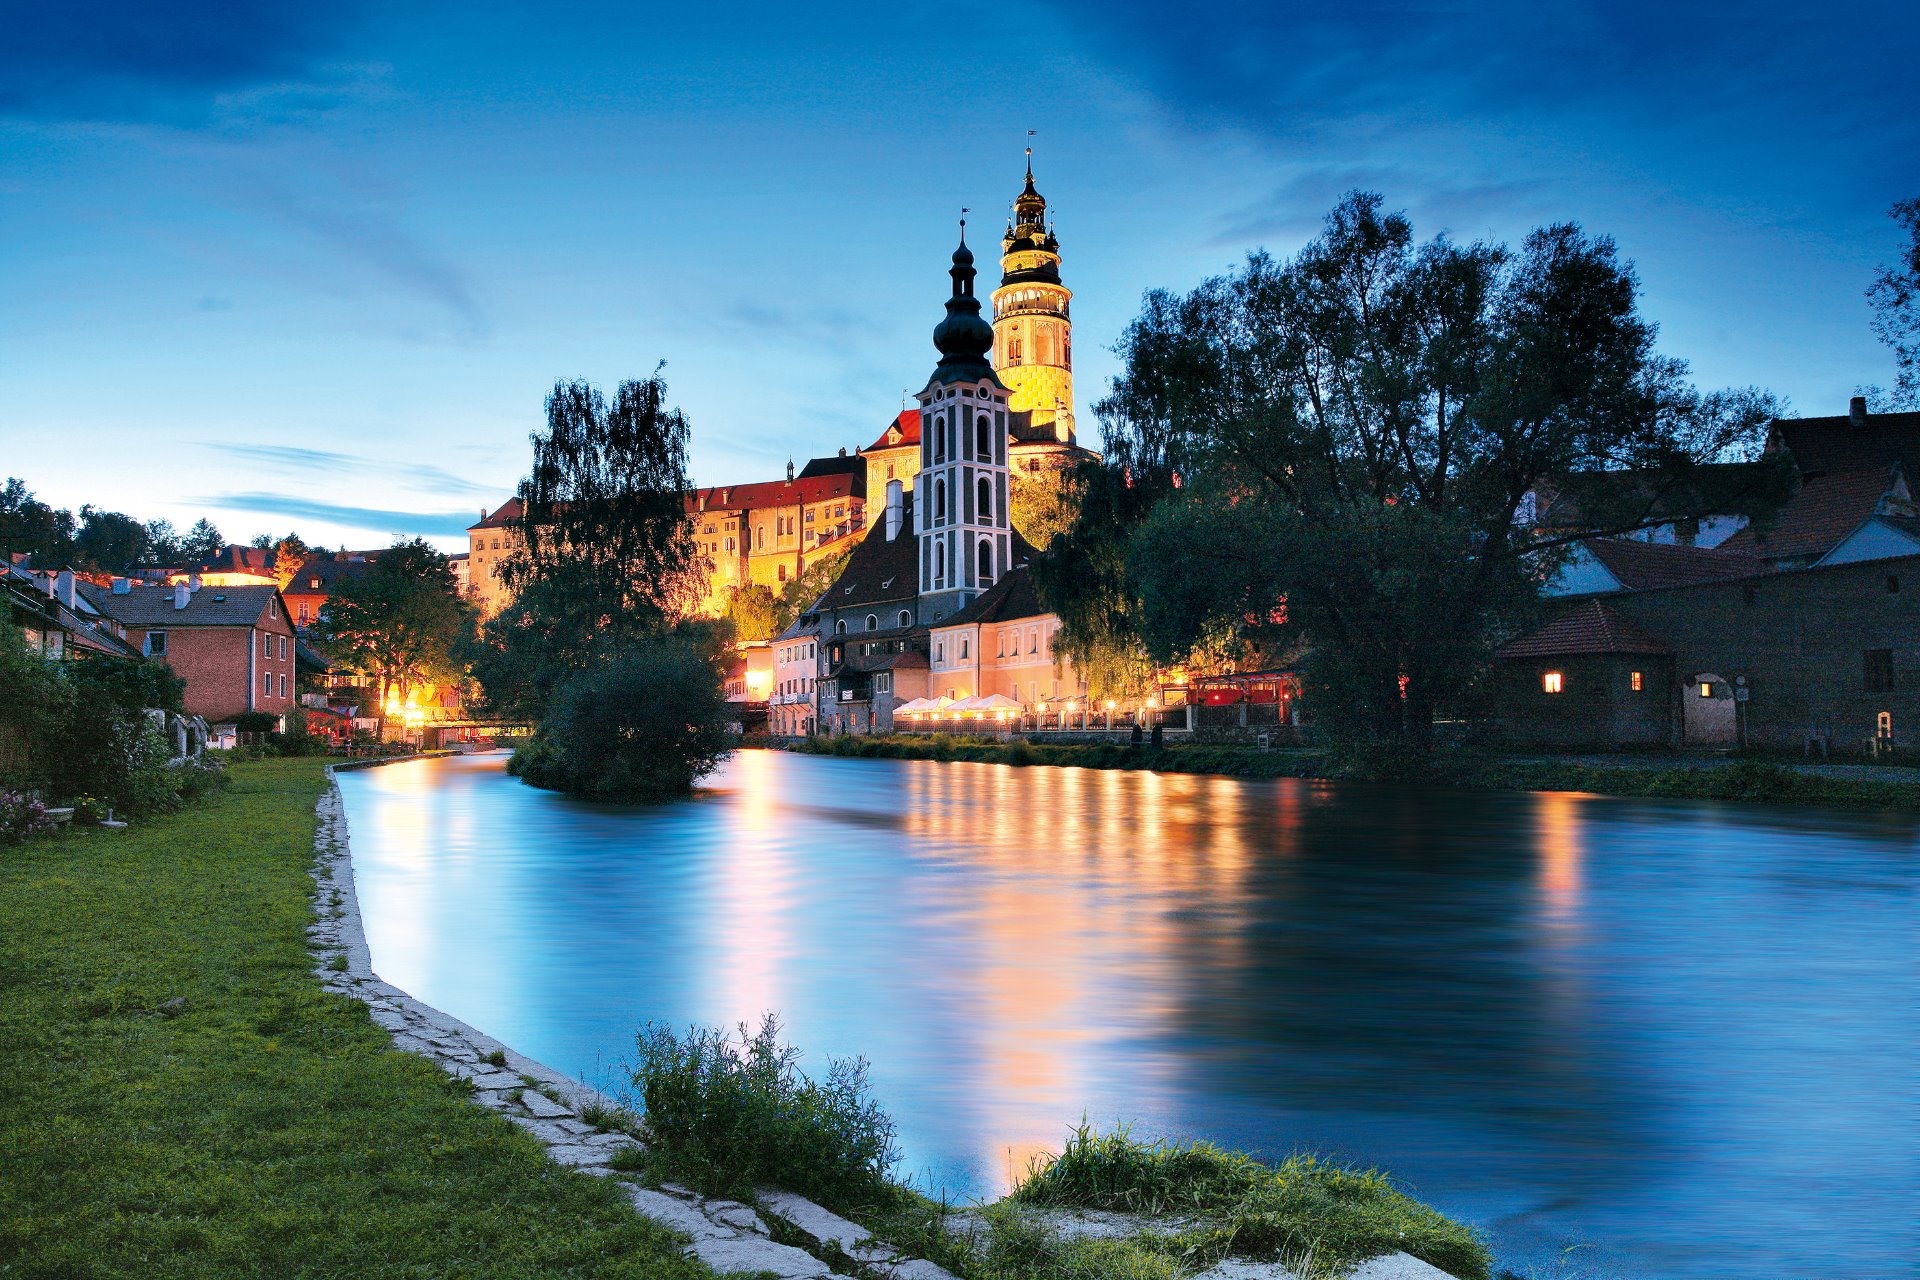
(1588, 627)
(1829, 446)
(1812, 523)
(1643, 565)
(1011, 598)
(907, 424)
(771, 493)
(509, 512)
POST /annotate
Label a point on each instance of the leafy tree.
(109, 540)
(401, 623)
(288, 555)
(1041, 505)
(163, 541)
(31, 527)
(645, 726)
(203, 542)
(1896, 304)
(797, 596)
(1357, 431)
(604, 521)
(754, 613)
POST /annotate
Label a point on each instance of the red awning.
(1218, 697)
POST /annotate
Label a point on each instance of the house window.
(940, 652)
(266, 645)
(1877, 670)
(283, 646)
(304, 619)
(273, 609)
(783, 573)
(266, 683)
(963, 648)
(1033, 642)
(283, 686)
(156, 644)
(986, 562)
(1706, 688)
(1636, 681)
(983, 433)
(984, 491)
(906, 618)
(873, 623)
(313, 584)
(1551, 682)
(839, 629)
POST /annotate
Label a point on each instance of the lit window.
(1636, 682)
(1550, 682)
(1706, 688)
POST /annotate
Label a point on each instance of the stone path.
(728, 1236)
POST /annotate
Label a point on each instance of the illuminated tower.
(1032, 329)
(961, 518)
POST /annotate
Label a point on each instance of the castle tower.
(960, 504)
(1032, 329)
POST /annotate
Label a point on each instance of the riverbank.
(1683, 778)
(184, 1100)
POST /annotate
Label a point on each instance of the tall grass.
(1318, 1217)
(732, 1112)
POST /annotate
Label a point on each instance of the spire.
(963, 337)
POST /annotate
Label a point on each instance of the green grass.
(1318, 1217)
(260, 1127)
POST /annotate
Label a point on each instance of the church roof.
(1830, 446)
(879, 571)
(1642, 566)
(775, 493)
(509, 513)
(1008, 600)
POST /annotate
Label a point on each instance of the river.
(1628, 1038)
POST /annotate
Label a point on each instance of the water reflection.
(1678, 1032)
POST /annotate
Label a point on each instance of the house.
(234, 646)
(1002, 644)
(871, 646)
(749, 682)
(1828, 655)
(55, 616)
(318, 577)
(791, 711)
(233, 566)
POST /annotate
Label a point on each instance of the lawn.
(182, 1098)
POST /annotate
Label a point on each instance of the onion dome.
(964, 339)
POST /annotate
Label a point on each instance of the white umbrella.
(914, 707)
(996, 702)
(964, 704)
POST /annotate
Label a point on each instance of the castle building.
(1032, 320)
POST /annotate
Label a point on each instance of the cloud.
(378, 520)
(169, 61)
(1294, 209)
(322, 464)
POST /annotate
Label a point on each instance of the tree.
(109, 540)
(643, 727)
(597, 643)
(604, 522)
(1041, 505)
(1896, 305)
(288, 555)
(1338, 449)
(754, 613)
(163, 542)
(29, 526)
(203, 542)
(799, 595)
(401, 623)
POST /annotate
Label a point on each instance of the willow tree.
(1357, 432)
(606, 577)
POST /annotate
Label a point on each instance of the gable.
(1876, 539)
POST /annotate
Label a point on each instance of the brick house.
(234, 646)
(307, 592)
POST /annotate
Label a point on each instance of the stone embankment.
(727, 1235)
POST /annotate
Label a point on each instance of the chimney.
(181, 593)
(843, 451)
(1857, 413)
(193, 582)
(64, 589)
(121, 586)
(894, 492)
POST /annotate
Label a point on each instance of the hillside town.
(1695, 628)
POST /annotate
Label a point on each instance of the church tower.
(1032, 330)
(963, 526)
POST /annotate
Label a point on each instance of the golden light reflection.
(1558, 868)
(750, 895)
(1087, 907)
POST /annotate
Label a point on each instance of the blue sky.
(315, 266)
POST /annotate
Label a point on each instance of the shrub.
(21, 818)
(89, 811)
(731, 1114)
(645, 727)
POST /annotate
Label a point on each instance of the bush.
(89, 811)
(644, 728)
(21, 818)
(731, 1114)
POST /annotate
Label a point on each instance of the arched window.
(939, 500)
(906, 618)
(873, 623)
(940, 564)
(983, 436)
(985, 494)
(840, 627)
(940, 439)
(761, 537)
(986, 561)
